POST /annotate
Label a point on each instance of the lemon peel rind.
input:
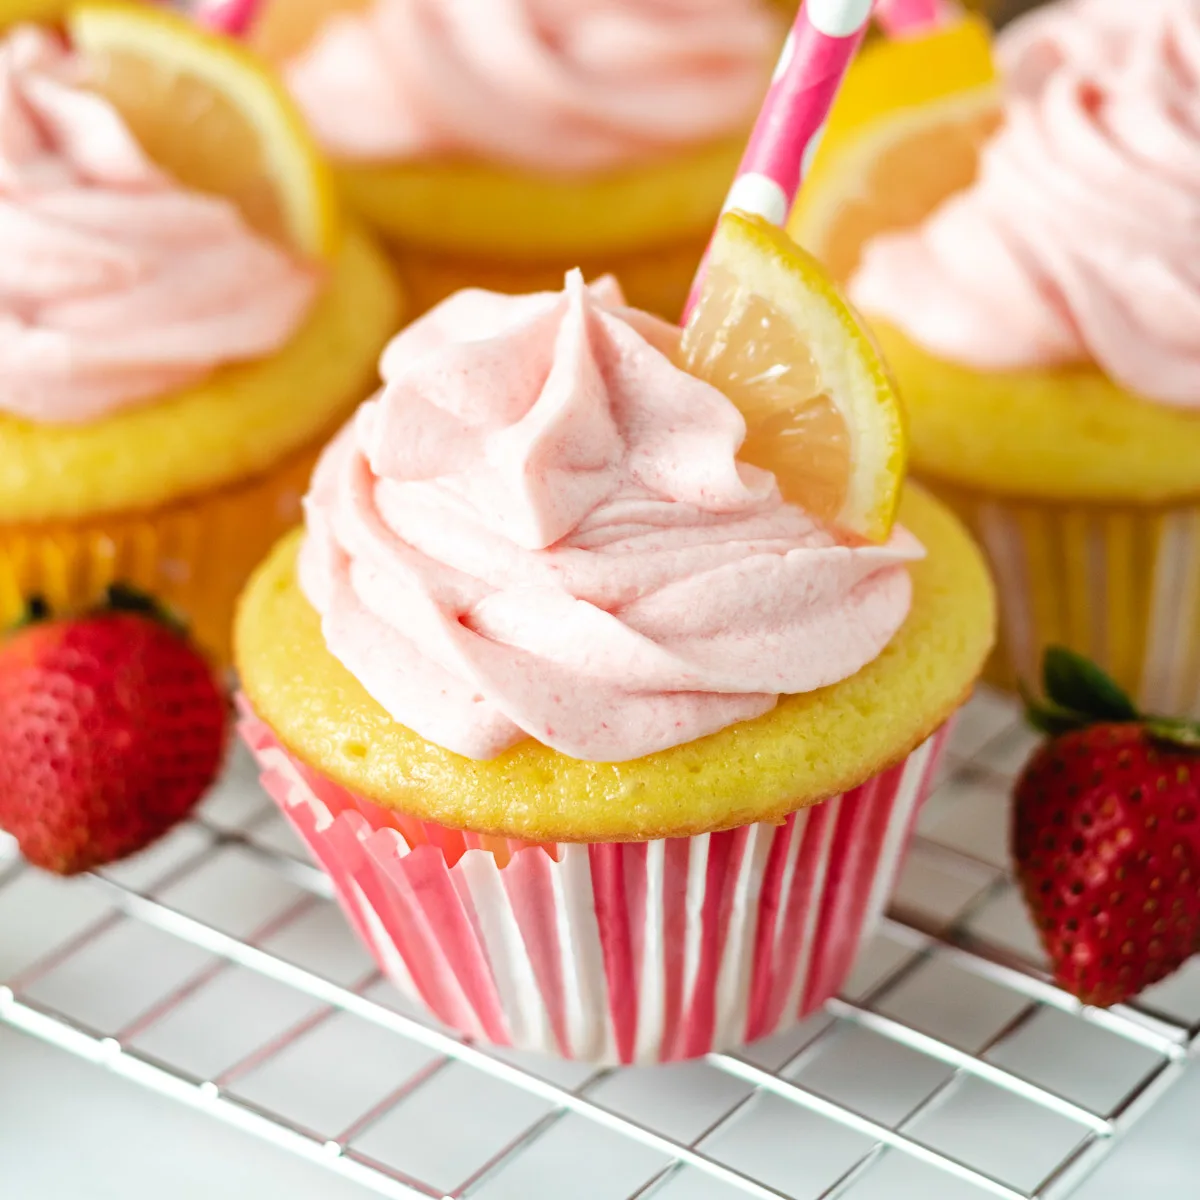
(286, 142)
(769, 263)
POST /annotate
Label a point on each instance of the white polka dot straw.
(837, 18)
(815, 58)
(759, 194)
(910, 18)
(232, 17)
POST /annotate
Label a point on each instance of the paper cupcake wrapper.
(610, 952)
(1119, 584)
(194, 555)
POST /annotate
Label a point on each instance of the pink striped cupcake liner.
(635, 952)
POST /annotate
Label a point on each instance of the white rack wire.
(216, 969)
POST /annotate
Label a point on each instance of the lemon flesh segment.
(212, 114)
(903, 134)
(773, 332)
(282, 29)
(911, 72)
(893, 176)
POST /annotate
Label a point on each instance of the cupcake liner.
(1120, 584)
(610, 952)
(193, 555)
(656, 279)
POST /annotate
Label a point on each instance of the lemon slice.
(904, 134)
(774, 333)
(282, 28)
(210, 113)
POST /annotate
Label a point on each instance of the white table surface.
(72, 1131)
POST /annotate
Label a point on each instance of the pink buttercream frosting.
(116, 285)
(1080, 240)
(539, 528)
(562, 86)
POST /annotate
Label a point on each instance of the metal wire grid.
(216, 970)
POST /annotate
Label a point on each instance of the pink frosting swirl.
(1080, 240)
(539, 529)
(116, 285)
(563, 86)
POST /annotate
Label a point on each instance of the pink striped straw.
(911, 18)
(815, 58)
(232, 17)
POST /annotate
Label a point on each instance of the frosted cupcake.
(499, 144)
(610, 751)
(1039, 320)
(153, 341)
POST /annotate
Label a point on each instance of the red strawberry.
(112, 726)
(1106, 835)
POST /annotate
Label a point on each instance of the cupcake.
(610, 751)
(498, 144)
(183, 321)
(1035, 300)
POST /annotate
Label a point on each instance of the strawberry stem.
(1075, 683)
(118, 597)
(1180, 734)
(36, 611)
(1046, 716)
(1079, 694)
(121, 597)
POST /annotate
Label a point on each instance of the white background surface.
(70, 1130)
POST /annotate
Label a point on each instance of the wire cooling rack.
(216, 970)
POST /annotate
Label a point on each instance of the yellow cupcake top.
(504, 215)
(232, 424)
(809, 747)
(1065, 434)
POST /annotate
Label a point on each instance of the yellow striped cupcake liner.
(194, 555)
(1120, 584)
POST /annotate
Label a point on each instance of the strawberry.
(111, 728)
(1106, 835)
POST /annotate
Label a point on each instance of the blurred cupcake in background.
(498, 144)
(183, 316)
(1027, 255)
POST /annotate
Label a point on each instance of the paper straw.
(232, 17)
(815, 58)
(911, 18)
